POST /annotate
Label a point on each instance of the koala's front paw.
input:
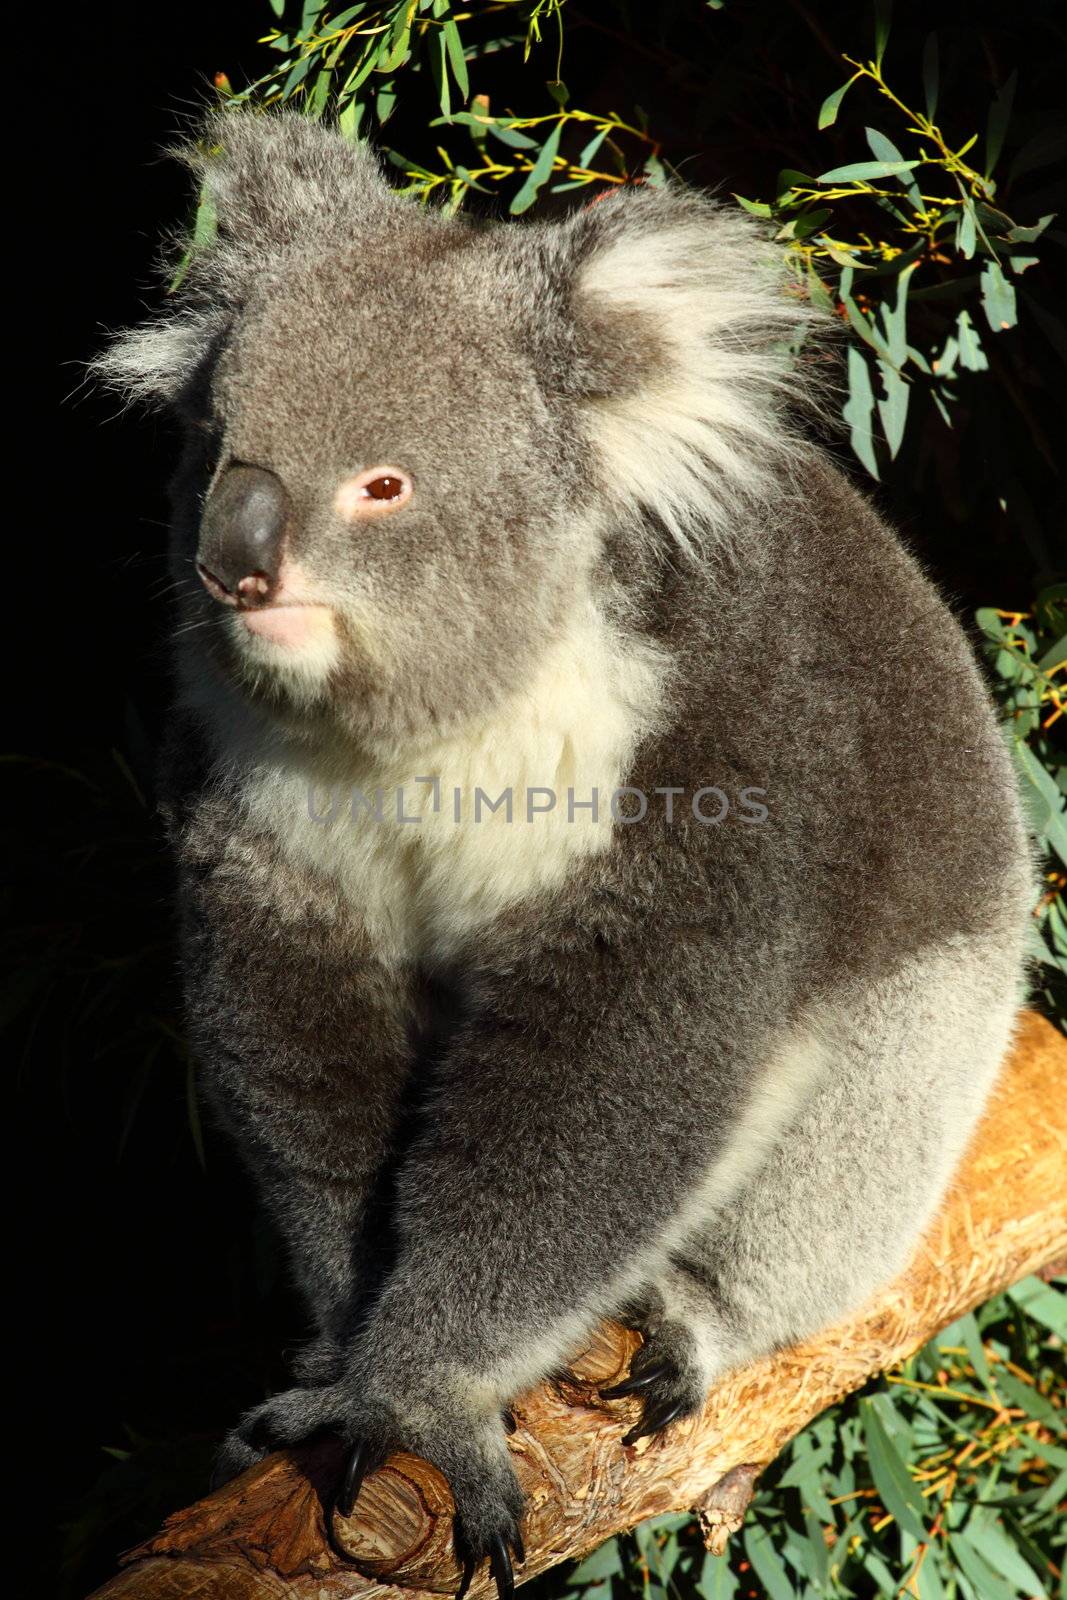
(472, 1456)
(666, 1376)
(284, 1419)
(469, 1450)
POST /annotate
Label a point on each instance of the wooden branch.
(264, 1534)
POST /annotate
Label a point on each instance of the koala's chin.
(290, 650)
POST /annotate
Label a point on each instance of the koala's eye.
(384, 488)
(373, 491)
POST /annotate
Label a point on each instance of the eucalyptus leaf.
(998, 298)
(972, 356)
(538, 174)
(893, 406)
(883, 13)
(931, 74)
(832, 104)
(1048, 811)
(999, 118)
(513, 137)
(988, 1584)
(858, 411)
(767, 1564)
(1037, 1299)
(456, 58)
(605, 1562)
(987, 1536)
(883, 149)
(966, 229)
(860, 171)
(896, 1487)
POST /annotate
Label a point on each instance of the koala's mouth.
(290, 627)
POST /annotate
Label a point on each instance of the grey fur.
(717, 1075)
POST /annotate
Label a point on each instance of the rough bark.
(264, 1535)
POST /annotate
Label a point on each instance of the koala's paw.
(470, 1451)
(284, 1419)
(666, 1376)
(472, 1455)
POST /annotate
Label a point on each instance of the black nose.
(242, 534)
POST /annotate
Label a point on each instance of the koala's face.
(410, 440)
(396, 526)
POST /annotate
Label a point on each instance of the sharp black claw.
(363, 1458)
(508, 1419)
(644, 1379)
(655, 1418)
(500, 1567)
(468, 1574)
(518, 1547)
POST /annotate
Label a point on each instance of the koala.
(469, 510)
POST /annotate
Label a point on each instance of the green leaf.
(558, 90)
(885, 150)
(993, 1544)
(755, 207)
(588, 152)
(790, 178)
(296, 76)
(456, 59)
(514, 138)
(1040, 1300)
(438, 55)
(819, 1559)
(859, 411)
(1019, 235)
(1052, 1496)
(972, 356)
(998, 298)
(883, 14)
(931, 74)
(857, 319)
(395, 43)
(860, 171)
(896, 1487)
(893, 316)
(605, 1562)
(893, 406)
(767, 1564)
(1048, 811)
(818, 293)
(538, 174)
(1055, 656)
(717, 1580)
(966, 236)
(810, 223)
(832, 104)
(999, 117)
(965, 1331)
(988, 1584)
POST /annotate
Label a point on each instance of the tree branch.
(264, 1535)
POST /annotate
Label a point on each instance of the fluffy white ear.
(688, 323)
(157, 362)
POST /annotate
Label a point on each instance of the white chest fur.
(432, 840)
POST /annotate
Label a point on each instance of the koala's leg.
(835, 1212)
(590, 1099)
(306, 1049)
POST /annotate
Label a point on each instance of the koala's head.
(411, 438)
